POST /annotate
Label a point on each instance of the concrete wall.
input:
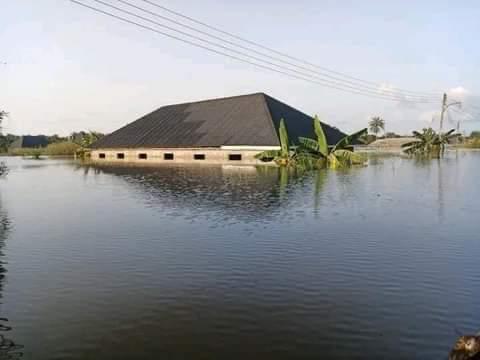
(181, 155)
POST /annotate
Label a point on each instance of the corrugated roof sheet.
(241, 120)
(30, 141)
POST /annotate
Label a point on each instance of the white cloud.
(458, 93)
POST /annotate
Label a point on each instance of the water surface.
(379, 262)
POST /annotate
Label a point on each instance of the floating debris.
(466, 348)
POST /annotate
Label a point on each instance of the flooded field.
(377, 262)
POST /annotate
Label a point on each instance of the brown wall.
(212, 156)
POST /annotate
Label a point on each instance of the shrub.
(473, 143)
(34, 152)
(475, 134)
(65, 148)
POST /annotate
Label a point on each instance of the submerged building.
(29, 141)
(225, 130)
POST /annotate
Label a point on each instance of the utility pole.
(442, 115)
(445, 106)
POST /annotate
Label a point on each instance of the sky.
(64, 68)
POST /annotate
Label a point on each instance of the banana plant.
(284, 156)
(429, 143)
(340, 155)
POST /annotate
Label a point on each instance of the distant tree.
(3, 115)
(475, 134)
(85, 139)
(3, 167)
(53, 139)
(368, 139)
(391, 135)
(376, 125)
(6, 141)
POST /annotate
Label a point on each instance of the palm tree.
(429, 143)
(340, 155)
(285, 156)
(376, 125)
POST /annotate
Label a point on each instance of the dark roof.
(30, 141)
(240, 120)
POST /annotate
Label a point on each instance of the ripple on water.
(129, 262)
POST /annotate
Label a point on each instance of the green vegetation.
(429, 143)
(65, 148)
(368, 139)
(3, 115)
(35, 153)
(285, 156)
(84, 140)
(6, 141)
(475, 134)
(472, 142)
(376, 125)
(76, 144)
(87, 139)
(391, 135)
(314, 153)
(3, 167)
(340, 155)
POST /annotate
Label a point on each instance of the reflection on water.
(8, 348)
(223, 192)
(377, 262)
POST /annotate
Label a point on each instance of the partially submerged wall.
(230, 155)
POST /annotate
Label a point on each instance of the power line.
(470, 109)
(275, 58)
(328, 82)
(281, 53)
(476, 107)
(288, 71)
(473, 117)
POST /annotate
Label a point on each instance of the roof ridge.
(271, 121)
(214, 99)
(300, 111)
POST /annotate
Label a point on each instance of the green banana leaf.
(309, 144)
(321, 138)
(268, 154)
(350, 139)
(284, 139)
(349, 157)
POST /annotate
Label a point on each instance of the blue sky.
(70, 69)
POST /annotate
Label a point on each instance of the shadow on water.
(8, 348)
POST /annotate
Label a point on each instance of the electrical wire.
(179, 14)
(287, 72)
(338, 79)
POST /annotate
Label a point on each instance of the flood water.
(378, 262)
